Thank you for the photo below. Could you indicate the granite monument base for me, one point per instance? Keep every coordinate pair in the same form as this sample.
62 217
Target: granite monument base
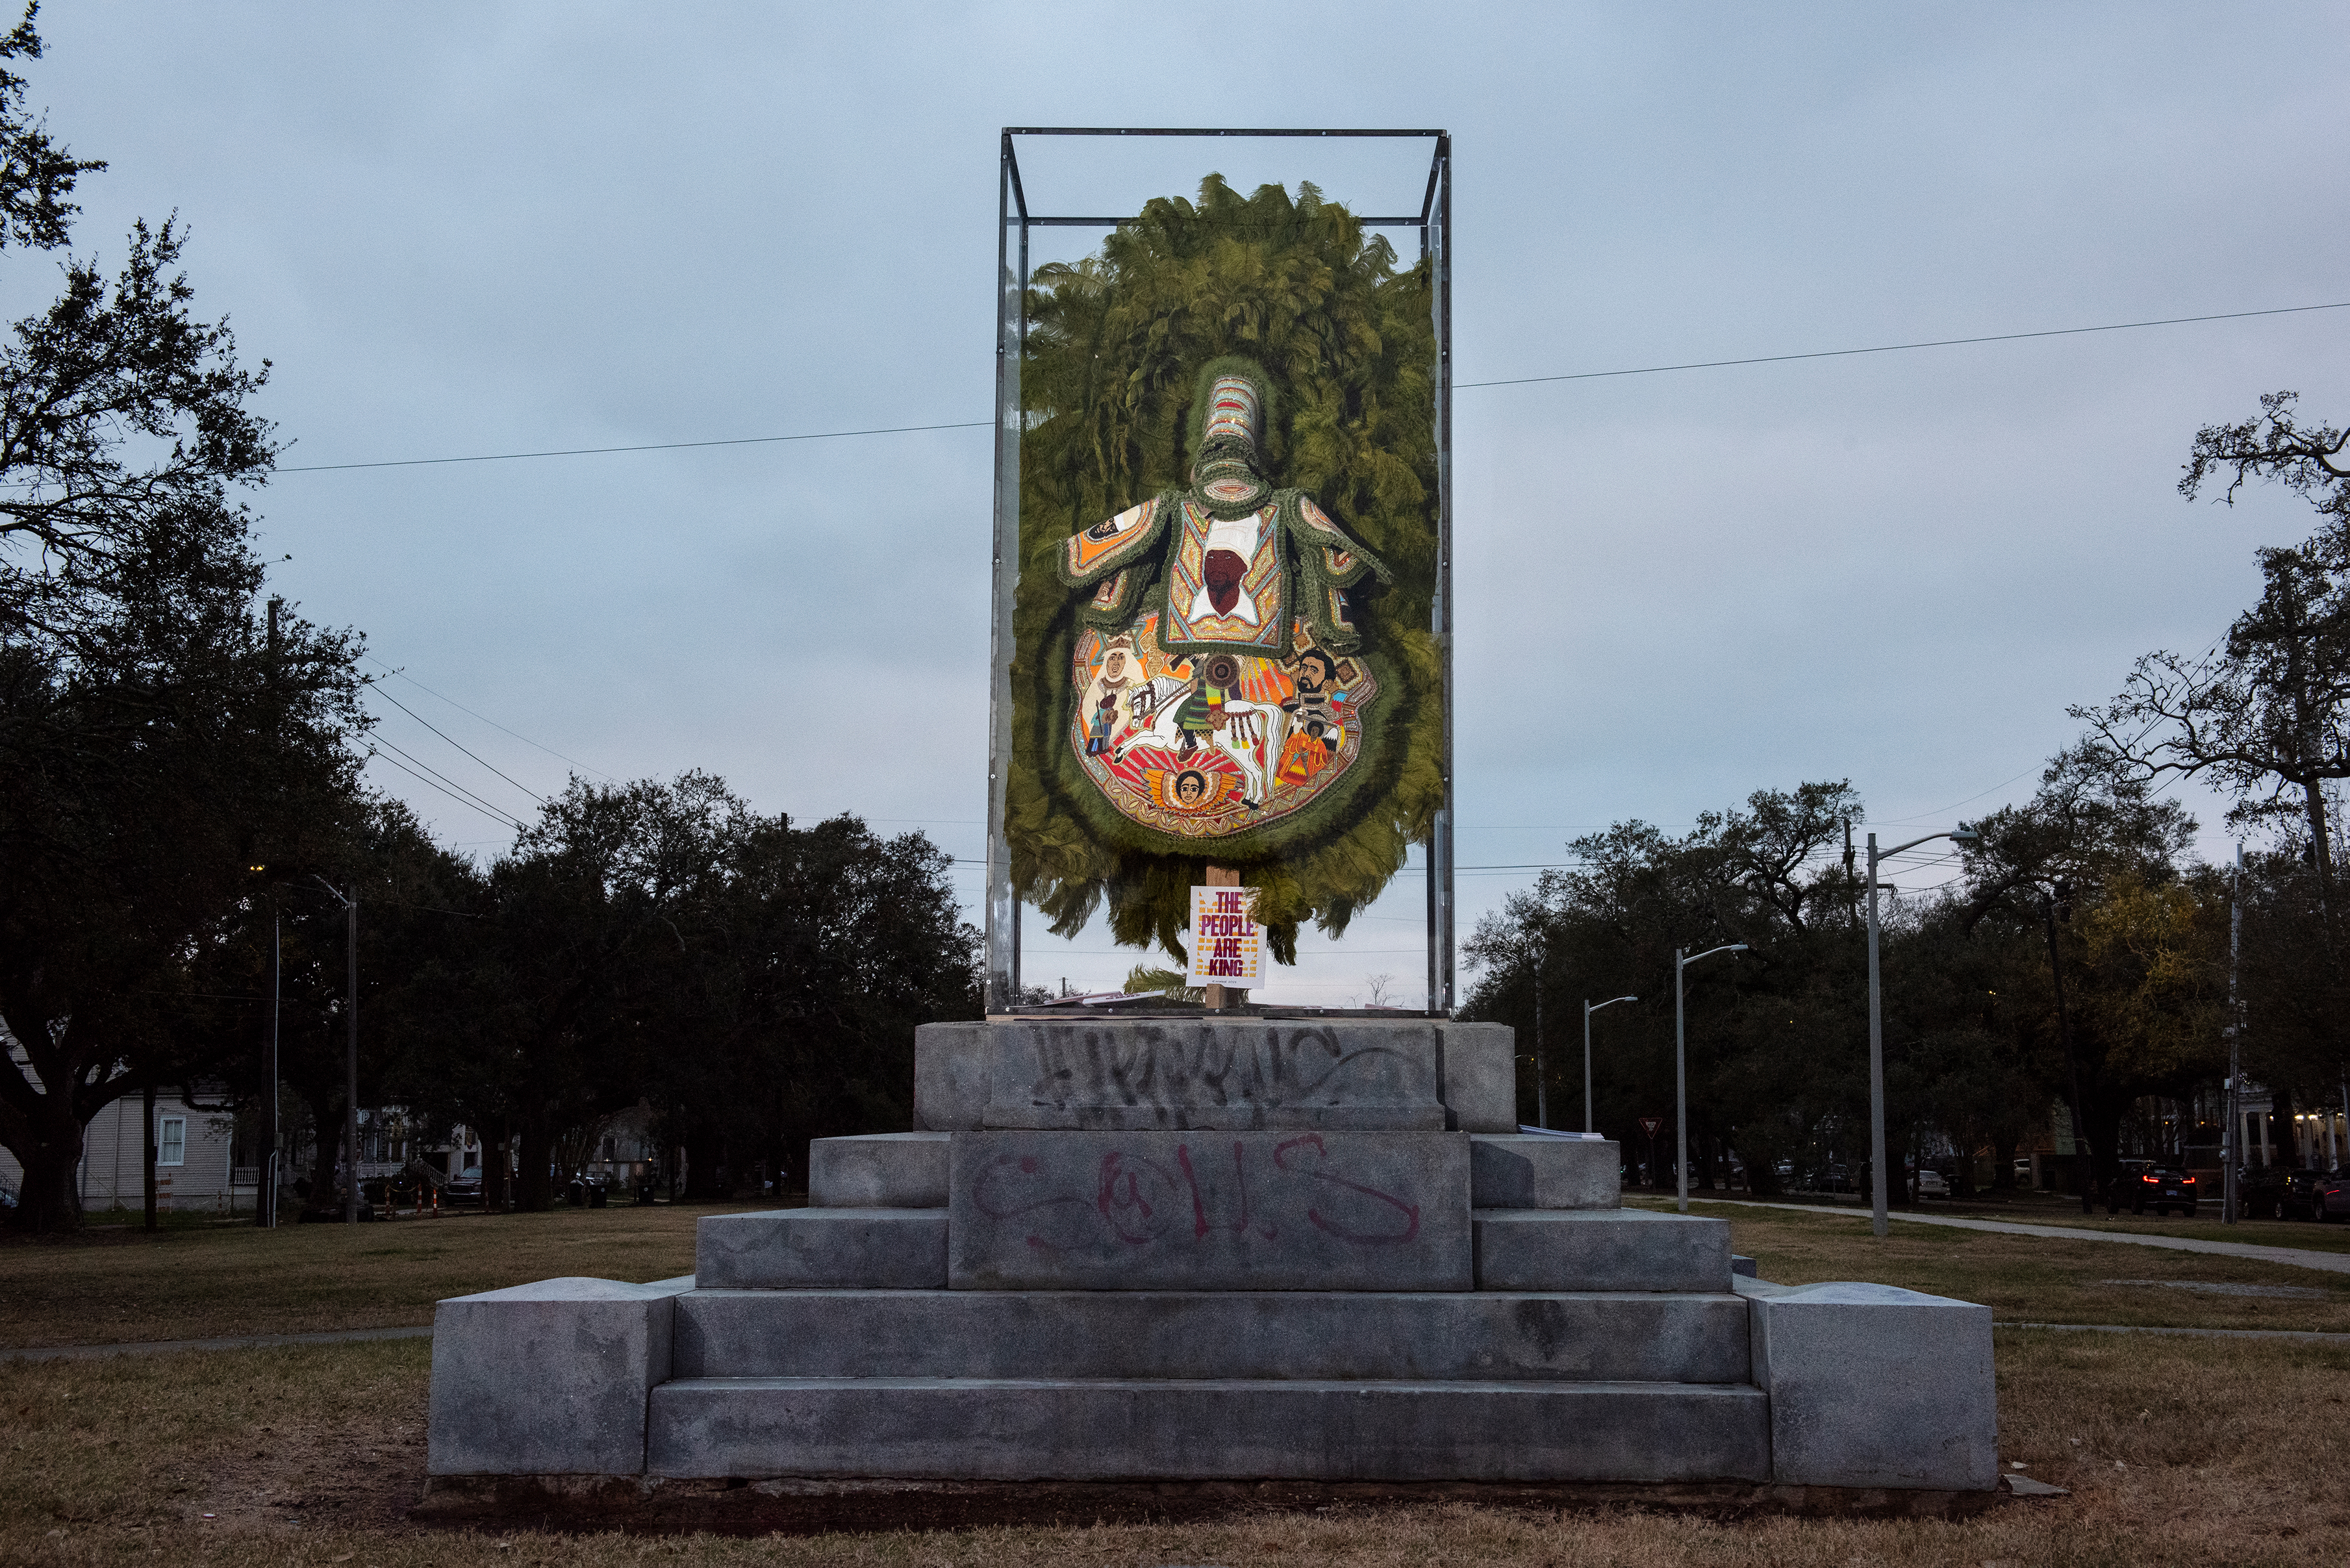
1193 1251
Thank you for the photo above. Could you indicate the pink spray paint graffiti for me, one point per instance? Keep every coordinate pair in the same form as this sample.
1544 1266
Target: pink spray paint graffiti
1282 1156
1139 1202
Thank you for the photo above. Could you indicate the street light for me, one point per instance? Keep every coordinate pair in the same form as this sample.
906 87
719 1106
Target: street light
1961 835
1590 1007
1680 1068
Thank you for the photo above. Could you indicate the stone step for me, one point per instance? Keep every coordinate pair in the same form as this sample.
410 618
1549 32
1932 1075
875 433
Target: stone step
1130 1429
1506 1171
1529 1171
878 1170
1284 1335
1599 1250
800 1249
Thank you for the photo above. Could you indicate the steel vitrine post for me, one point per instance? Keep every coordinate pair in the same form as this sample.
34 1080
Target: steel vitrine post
1004 580
1434 222
1440 847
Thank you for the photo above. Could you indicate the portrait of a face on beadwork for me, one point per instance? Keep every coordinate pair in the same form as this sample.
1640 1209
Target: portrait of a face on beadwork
1228 530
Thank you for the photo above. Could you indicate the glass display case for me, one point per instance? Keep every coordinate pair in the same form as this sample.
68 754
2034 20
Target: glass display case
1220 631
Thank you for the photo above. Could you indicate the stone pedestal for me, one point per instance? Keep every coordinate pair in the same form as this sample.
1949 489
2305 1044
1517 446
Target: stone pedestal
1205 1249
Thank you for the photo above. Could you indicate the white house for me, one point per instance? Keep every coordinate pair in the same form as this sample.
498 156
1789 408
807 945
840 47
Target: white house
191 1162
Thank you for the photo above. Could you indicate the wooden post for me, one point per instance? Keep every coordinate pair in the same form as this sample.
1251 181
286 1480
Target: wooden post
1220 997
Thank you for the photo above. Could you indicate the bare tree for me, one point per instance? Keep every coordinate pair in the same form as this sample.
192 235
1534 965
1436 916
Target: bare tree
2273 446
2267 713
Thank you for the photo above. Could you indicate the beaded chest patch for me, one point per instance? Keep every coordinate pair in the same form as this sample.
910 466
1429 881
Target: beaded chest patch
1207 744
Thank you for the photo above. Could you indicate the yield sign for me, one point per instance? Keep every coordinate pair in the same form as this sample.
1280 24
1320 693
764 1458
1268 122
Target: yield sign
1650 1124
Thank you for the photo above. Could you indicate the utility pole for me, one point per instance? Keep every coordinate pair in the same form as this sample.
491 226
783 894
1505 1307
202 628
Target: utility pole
265 1191
2082 1170
351 1053
265 1209
2229 1154
351 1050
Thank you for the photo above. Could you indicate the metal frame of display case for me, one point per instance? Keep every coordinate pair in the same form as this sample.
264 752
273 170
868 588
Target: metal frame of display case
1013 223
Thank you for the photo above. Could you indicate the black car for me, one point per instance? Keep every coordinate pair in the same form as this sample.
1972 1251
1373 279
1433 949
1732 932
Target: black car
2163 1191
2260 1194
2304 1195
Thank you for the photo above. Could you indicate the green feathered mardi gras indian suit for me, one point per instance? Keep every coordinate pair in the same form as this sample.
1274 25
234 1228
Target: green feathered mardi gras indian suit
1226 673
1219 697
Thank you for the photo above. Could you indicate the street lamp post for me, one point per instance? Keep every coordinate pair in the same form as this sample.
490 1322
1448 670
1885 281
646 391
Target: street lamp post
1680 1065
1542 1081
1961 834
1590 1007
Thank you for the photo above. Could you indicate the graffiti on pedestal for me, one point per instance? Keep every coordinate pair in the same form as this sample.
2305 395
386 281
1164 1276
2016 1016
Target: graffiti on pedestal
1072 1069
1140 1202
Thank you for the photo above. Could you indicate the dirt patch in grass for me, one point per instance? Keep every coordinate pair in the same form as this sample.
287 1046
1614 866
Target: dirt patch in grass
2033 1279
2178 1451
126 1286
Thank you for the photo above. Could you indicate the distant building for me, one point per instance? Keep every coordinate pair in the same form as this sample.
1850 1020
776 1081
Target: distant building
192 1171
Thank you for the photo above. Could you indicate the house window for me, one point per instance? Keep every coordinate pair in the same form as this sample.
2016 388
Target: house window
170 1140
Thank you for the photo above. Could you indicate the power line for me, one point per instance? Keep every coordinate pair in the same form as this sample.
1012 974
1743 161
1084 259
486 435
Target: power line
1898 347
469 795
492 723
1458 386
436 730
461 800
648 446
448 786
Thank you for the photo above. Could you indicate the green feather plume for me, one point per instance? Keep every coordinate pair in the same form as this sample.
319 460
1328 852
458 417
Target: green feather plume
1121 349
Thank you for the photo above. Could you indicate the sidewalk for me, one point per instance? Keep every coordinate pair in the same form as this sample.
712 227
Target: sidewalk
2314 1334
163 1346
2291 1257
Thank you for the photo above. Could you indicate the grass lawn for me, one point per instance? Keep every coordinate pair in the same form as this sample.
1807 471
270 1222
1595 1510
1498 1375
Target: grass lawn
2030 1279
108 1287
2178 1450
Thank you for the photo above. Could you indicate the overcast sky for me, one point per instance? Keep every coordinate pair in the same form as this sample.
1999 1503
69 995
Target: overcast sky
474 229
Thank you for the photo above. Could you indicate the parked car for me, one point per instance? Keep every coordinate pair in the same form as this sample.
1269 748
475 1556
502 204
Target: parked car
2163 1191
462 1192
2260 1194
2334 1198
2303 1196
1931 1184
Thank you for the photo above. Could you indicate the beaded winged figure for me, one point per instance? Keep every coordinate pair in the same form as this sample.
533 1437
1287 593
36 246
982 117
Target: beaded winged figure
1216 684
